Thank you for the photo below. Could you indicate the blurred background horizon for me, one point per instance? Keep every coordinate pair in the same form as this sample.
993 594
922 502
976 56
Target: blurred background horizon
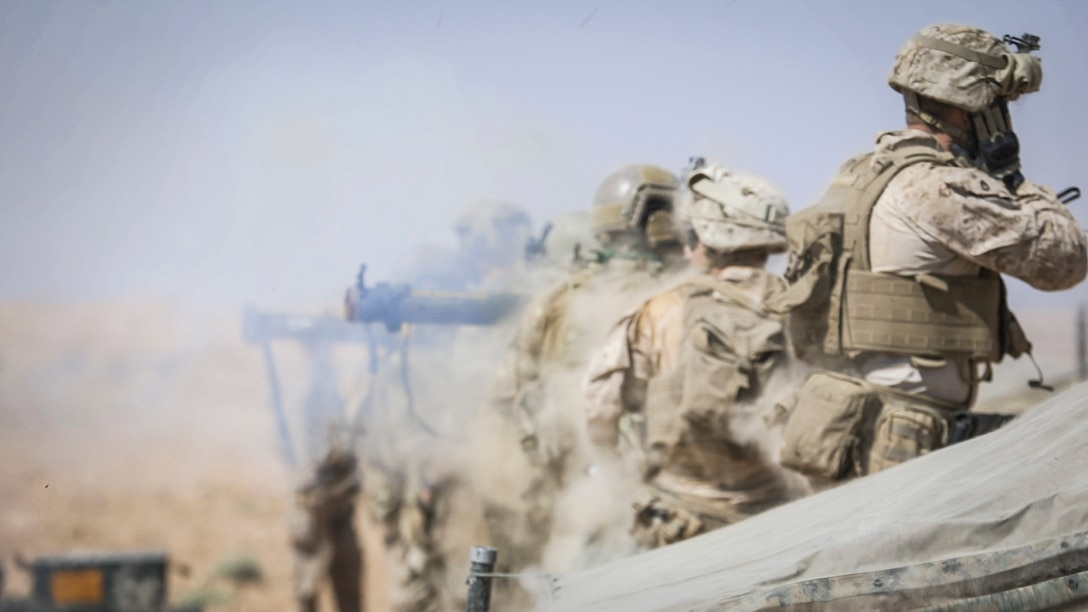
215 154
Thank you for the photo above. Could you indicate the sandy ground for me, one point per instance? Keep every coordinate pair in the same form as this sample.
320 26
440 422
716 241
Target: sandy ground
135 426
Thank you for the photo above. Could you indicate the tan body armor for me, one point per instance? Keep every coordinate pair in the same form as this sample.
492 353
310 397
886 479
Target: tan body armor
842 313
840 309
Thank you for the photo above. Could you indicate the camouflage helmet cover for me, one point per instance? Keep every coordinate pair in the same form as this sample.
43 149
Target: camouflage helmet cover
963 66
631 197
732 212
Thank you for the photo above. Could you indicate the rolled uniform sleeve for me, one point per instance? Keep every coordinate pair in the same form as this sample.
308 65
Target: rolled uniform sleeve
1029 234
616 377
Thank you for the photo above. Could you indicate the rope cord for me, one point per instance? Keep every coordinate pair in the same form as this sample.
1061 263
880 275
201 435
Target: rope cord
510 575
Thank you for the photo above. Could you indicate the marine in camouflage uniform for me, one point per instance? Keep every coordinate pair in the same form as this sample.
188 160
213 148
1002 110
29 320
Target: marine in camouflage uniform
631 219
932 218
413 489
323 535
692 366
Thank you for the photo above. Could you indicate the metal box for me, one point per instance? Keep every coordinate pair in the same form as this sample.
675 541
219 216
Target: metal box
102 582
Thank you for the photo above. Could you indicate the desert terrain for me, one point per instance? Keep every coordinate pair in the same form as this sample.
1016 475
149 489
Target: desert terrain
142 426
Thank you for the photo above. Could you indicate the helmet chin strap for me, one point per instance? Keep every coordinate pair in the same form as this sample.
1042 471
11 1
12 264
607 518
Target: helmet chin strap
990 144
992 121
998 145
961 136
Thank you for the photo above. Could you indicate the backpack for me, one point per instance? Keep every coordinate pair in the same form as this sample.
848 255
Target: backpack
731 347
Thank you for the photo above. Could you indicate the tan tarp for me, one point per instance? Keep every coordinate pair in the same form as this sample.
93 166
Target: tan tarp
993 523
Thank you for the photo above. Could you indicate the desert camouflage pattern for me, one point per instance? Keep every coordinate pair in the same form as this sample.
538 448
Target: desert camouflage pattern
733 212
643 343
557 336
418 567
426 389
323 539
928 66
537 397
954 221
661 520
709 475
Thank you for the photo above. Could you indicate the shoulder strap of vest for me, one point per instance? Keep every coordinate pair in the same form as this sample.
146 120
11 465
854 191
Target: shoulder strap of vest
903 154
707 283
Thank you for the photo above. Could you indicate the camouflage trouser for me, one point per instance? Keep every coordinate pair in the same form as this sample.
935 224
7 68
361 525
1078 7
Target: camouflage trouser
324 544
547 443
407 522
540 496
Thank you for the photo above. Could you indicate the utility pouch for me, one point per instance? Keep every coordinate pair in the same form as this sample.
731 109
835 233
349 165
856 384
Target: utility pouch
907 428
824 430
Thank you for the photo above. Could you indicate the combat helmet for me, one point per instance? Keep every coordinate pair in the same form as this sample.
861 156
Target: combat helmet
965 67
730 212
970 69
636 201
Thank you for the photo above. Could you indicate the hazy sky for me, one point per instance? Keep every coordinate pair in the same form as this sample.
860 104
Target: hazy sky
230 152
